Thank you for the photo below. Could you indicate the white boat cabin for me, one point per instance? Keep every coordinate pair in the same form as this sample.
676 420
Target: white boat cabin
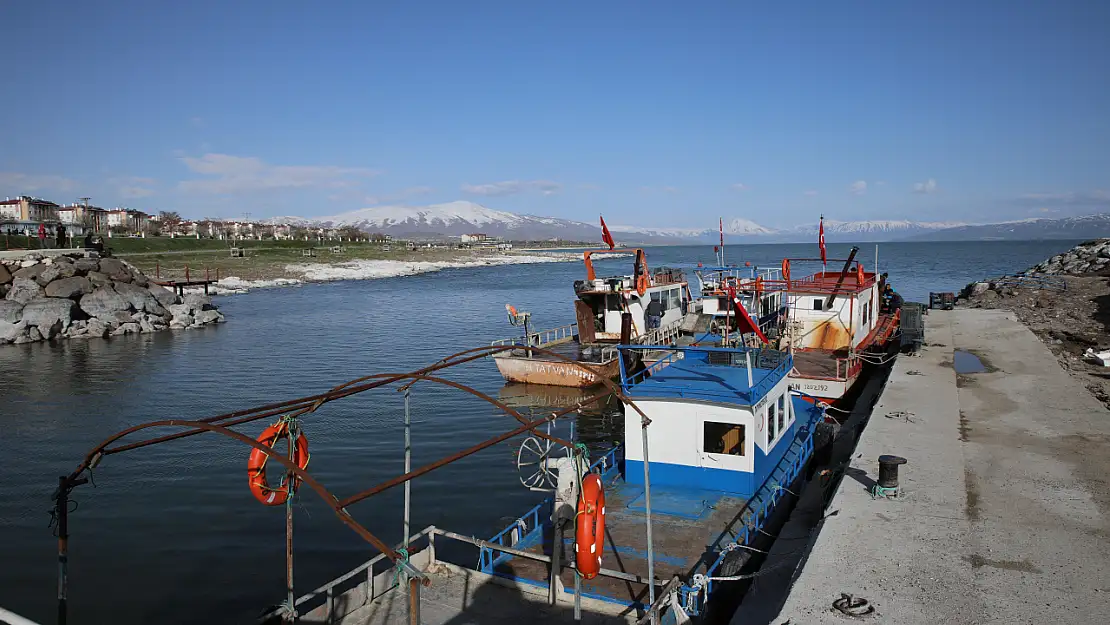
653 301
830 310
721 419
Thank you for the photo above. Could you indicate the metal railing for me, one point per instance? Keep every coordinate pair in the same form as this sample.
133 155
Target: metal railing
663 335
541 337
750 523
777 365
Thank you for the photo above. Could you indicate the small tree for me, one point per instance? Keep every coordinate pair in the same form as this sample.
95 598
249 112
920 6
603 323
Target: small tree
350 232
170 221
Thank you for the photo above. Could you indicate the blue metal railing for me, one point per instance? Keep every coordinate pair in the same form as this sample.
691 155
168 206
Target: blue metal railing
759 508
530 525
776 364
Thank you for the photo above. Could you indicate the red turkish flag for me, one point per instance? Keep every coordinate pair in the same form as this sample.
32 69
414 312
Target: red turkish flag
821 239
605 236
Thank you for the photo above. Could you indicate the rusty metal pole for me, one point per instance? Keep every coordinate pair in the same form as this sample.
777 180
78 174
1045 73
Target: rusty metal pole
61 512
414 601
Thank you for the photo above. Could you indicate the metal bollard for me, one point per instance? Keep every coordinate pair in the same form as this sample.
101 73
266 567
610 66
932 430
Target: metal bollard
888 470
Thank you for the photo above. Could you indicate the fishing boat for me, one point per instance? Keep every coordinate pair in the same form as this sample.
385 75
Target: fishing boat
836 324
640 308
734 301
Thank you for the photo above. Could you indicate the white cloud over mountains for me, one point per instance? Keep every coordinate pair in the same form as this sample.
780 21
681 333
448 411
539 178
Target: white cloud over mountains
512 187
238 174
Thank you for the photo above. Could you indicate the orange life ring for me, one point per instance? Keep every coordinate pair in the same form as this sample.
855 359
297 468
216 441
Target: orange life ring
642 284
256 465
786 270
589 537
511 309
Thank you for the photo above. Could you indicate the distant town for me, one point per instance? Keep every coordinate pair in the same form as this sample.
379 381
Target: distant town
28 216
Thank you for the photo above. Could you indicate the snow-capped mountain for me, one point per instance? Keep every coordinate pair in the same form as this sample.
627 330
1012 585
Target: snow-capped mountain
456 218
1085 227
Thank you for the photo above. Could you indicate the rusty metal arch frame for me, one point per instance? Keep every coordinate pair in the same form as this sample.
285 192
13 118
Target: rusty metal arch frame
304 405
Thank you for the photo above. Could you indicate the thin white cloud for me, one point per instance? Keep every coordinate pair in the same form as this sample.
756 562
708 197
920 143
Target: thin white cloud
403 194
739 186
929 186
133 187
858 187
239 174
512 187
1096 198
810 193
17 183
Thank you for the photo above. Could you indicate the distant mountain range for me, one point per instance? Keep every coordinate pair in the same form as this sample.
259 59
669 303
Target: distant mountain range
456 218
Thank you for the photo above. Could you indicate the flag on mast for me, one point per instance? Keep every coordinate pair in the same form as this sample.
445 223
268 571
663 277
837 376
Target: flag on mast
606 236
821 239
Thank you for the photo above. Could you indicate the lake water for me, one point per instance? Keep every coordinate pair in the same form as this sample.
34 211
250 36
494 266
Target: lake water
170 534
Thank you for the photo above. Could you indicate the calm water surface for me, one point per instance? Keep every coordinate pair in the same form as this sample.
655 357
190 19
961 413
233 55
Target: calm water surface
170 534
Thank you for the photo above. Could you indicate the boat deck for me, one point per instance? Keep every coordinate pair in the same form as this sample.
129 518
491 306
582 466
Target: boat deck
816 364
569 348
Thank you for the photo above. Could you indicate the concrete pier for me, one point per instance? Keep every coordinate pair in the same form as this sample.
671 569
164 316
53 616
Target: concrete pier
1003 514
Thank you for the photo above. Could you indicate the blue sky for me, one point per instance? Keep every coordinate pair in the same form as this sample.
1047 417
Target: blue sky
653 113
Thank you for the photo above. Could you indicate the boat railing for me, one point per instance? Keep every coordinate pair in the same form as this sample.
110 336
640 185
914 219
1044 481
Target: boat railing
663 335
376 577
752 520
541 337
774 363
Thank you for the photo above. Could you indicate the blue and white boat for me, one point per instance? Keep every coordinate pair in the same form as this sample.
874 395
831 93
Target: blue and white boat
720 440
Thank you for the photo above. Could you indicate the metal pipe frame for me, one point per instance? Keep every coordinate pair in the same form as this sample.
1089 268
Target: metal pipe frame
220 424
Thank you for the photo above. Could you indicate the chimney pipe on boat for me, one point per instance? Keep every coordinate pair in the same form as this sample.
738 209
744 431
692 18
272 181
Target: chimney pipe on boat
840 278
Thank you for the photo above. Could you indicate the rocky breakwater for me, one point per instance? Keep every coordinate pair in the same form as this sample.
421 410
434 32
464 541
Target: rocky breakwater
1091 257
70 296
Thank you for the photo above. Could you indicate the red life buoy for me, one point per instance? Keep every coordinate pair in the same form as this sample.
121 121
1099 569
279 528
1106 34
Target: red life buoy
256 465
642 284
786 270
859 273
589 537
758 286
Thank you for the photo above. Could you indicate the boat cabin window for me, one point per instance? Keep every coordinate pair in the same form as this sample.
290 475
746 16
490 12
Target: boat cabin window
782 412
771 429
723 438
674 299
613 302
818 303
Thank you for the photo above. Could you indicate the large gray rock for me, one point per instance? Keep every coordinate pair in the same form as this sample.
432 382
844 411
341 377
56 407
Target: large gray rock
9 311
49 314
73 287
33 335
50 273
12 331
138 279
208 316
30 273
5 275
141 299
96 327
98 279
24 290
179 310
103 302
127 328
183 321
145 325
115 269
197 302
118 317
85 265
164 296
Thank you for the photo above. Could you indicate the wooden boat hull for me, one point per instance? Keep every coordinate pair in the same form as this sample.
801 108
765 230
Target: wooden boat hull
555 373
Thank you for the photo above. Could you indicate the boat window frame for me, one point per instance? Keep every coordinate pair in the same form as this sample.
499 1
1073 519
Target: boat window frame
729 427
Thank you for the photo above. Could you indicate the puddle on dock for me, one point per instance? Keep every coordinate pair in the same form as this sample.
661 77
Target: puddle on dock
966 362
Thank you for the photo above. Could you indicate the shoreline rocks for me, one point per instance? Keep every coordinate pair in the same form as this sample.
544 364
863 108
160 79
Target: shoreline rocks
70 296
1090 257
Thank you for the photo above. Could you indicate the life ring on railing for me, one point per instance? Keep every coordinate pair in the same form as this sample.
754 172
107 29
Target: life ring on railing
786 270
642 283
256 465
758 287
589 536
